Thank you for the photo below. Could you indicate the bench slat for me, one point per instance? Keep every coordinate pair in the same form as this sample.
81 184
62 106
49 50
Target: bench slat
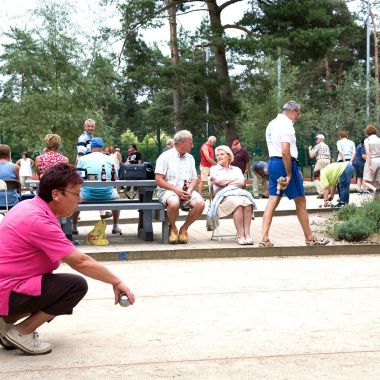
120 206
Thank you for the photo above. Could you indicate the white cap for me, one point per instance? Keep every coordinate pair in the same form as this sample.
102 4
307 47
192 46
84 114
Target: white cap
320 136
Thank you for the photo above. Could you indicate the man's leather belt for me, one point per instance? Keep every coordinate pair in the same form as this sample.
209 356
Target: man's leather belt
293 159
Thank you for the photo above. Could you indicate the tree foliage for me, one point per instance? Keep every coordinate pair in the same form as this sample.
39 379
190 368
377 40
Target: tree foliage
53 77
50 87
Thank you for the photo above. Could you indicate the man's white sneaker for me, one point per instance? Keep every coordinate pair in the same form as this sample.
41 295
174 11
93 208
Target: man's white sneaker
4 327
30 343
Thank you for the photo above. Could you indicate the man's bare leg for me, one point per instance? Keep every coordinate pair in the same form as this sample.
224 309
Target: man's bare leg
197 207
303 216
172 205
200 187
268 216
116 216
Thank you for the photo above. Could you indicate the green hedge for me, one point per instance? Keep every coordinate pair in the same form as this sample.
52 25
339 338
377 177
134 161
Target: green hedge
357 223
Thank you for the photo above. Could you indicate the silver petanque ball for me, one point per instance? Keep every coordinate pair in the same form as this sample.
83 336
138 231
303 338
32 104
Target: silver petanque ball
123 300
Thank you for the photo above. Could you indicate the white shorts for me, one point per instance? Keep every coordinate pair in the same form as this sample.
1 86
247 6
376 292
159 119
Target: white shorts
375 176
164 195
205 172
320 164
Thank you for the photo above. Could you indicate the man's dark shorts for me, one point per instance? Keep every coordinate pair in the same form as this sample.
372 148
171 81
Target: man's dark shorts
276 170
60 293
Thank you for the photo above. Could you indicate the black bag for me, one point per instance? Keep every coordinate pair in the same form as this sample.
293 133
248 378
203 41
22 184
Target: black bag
149 170
136 171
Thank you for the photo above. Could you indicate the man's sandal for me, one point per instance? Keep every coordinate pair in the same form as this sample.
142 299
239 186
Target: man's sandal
317 241
265 244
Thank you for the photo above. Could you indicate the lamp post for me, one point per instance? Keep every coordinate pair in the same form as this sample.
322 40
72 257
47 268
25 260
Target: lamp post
368 58
206 52
279 78
206 96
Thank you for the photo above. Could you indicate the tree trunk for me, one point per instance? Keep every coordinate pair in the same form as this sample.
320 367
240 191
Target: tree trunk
376 62
177 92
221 67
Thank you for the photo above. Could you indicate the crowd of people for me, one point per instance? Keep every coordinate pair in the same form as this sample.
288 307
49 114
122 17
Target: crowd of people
360 161
32 242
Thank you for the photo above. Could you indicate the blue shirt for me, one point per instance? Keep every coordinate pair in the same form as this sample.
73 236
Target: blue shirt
7 172
358 159
93 162
259 167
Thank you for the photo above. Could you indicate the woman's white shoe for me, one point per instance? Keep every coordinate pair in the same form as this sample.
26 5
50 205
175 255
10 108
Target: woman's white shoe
242 241
249 240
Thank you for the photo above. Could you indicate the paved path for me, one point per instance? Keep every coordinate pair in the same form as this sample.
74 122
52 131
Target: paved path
278 318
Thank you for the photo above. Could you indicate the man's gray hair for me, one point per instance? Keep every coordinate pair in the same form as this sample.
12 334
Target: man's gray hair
211 138
89 121
291 105
169 141
182 136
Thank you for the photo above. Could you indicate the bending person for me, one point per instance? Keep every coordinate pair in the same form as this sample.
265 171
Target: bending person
32 244
337 175
230 198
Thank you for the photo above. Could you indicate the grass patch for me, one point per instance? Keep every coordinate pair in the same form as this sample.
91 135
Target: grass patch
354 223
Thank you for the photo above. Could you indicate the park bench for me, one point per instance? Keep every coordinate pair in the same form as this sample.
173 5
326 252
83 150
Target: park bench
149 209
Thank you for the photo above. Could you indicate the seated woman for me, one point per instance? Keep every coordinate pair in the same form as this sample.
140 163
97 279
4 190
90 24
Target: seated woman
230 198
50 156
8 170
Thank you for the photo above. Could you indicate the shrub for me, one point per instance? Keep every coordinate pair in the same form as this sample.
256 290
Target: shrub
354 229
347 212
371 211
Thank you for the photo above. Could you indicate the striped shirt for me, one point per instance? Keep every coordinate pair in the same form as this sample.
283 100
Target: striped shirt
321 151
175 168
84 143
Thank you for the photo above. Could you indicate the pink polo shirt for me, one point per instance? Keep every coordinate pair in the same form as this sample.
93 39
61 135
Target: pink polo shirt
32 243
219 172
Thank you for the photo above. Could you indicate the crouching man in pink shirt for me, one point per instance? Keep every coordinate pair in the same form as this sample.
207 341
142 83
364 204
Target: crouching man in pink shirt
32 245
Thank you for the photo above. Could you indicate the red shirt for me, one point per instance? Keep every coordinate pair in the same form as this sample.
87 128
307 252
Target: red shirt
241 159
204 162
49 159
